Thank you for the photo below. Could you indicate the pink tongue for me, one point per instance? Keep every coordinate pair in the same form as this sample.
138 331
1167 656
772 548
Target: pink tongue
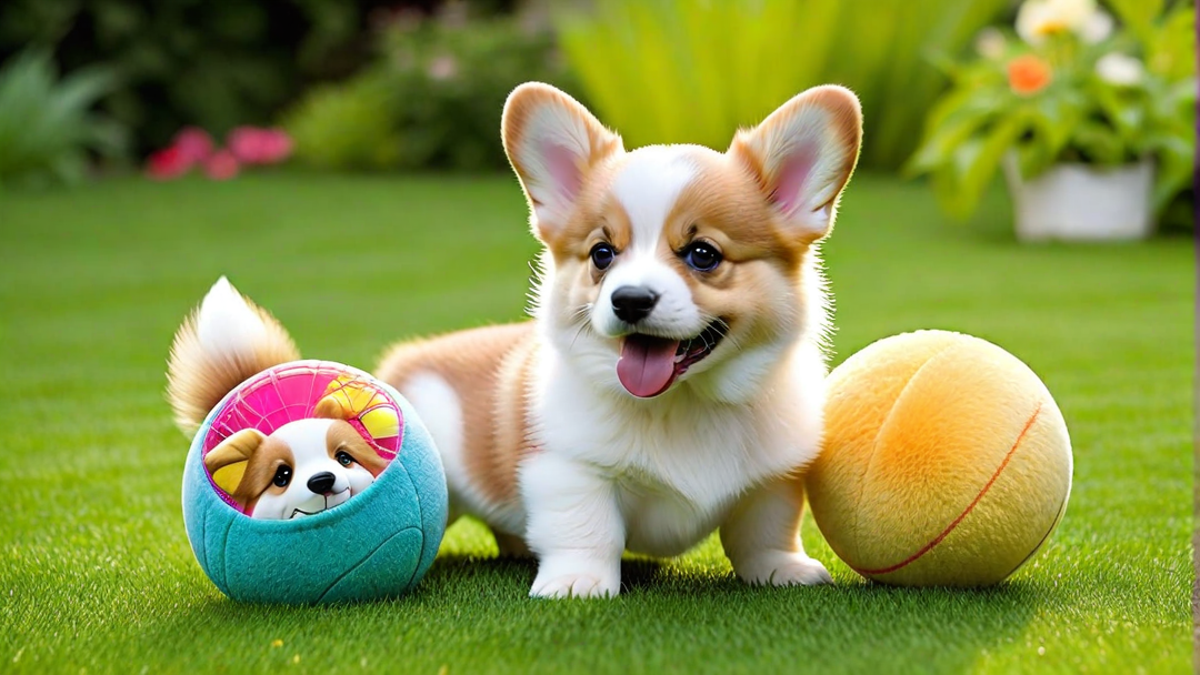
647 365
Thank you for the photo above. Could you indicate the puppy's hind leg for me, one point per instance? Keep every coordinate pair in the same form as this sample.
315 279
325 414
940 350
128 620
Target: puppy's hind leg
762 537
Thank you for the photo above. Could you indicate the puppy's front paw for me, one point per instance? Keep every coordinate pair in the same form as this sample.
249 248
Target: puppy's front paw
573 586
576 578
783 568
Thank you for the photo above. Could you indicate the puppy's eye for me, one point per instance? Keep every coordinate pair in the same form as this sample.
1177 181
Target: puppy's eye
283 476
602 256
344 458
701 256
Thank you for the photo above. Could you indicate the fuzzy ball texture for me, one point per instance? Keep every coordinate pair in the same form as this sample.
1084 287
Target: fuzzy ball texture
378 544
946 462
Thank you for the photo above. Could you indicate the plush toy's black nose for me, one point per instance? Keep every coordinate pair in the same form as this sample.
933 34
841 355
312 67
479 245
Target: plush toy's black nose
631 304
321 483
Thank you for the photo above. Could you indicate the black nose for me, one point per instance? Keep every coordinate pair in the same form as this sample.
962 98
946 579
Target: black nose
321 483
631 304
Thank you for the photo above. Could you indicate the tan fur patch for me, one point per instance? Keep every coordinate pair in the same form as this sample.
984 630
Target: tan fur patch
489 370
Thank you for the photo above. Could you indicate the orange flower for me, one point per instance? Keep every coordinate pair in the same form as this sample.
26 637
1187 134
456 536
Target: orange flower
1028 74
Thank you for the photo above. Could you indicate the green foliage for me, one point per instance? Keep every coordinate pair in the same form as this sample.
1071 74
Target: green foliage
47 129
346 126
212 63
663 71
1077 116
433 99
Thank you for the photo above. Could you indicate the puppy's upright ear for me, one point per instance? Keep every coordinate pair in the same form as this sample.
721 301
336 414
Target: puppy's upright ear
227 462
553 142
803 154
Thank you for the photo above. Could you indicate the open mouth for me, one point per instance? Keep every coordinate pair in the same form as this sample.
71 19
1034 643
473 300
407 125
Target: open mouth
300 513
650 364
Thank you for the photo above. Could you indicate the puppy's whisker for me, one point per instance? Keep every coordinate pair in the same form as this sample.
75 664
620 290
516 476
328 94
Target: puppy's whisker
581 316
578 332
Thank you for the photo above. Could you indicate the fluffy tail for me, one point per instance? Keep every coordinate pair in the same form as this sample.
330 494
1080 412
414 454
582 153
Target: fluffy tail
221 344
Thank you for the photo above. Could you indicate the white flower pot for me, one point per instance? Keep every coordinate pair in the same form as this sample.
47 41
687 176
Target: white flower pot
1078 202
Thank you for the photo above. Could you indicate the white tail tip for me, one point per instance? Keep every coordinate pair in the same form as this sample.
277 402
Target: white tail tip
227 324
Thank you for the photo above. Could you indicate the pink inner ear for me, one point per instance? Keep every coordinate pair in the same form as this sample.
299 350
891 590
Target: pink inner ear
564 171
790 179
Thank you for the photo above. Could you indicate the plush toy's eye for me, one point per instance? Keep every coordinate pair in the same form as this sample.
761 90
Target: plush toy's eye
283 476
344 458
701 256
602 256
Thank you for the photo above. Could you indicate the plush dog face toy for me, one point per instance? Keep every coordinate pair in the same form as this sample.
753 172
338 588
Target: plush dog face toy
302 468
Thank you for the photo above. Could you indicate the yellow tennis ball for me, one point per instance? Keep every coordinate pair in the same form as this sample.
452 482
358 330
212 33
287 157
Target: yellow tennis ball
946 462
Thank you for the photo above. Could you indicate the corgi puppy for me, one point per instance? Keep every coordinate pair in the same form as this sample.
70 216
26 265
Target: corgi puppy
672 380
302 468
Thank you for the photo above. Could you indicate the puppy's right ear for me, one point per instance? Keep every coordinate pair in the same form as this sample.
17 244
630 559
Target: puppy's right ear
802 156
552 142
227 462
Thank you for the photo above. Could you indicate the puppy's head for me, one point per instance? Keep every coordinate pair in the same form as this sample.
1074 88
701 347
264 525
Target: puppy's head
304 467
679 265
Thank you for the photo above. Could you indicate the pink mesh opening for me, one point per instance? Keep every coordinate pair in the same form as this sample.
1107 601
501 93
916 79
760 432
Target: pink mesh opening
289 392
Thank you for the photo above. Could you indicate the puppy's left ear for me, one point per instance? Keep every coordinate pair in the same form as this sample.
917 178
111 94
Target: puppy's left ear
553 142
803 154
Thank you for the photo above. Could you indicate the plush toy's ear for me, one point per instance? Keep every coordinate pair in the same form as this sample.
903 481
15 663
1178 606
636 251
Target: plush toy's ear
803 154
552 142
372 462
227 462
332 408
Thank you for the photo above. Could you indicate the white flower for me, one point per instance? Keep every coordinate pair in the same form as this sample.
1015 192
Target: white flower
1032 20
1119 69
990 43
1097 27
1039 18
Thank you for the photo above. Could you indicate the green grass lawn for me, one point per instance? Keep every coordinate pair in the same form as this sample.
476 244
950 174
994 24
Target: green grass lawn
96 574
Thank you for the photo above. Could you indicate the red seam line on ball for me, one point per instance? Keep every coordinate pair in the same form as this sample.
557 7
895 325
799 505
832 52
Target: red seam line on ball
928 547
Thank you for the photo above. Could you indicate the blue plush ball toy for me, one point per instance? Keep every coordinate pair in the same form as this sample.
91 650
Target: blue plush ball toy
377 544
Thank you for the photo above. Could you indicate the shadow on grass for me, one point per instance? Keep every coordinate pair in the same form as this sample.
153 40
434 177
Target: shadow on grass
473 612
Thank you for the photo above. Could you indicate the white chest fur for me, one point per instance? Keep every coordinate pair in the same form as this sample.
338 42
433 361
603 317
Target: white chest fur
677 463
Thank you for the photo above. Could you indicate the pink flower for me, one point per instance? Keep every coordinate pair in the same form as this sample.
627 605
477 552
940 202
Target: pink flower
195 144
168 163
221 165
259 146
443 67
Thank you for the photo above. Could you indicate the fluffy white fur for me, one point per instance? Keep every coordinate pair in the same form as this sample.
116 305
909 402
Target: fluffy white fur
226 325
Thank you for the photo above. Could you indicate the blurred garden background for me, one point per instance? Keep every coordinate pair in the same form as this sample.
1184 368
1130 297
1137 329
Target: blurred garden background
97 88
340 160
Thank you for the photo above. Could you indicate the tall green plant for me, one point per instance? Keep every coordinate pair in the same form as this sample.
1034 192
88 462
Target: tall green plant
47 129
692 71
